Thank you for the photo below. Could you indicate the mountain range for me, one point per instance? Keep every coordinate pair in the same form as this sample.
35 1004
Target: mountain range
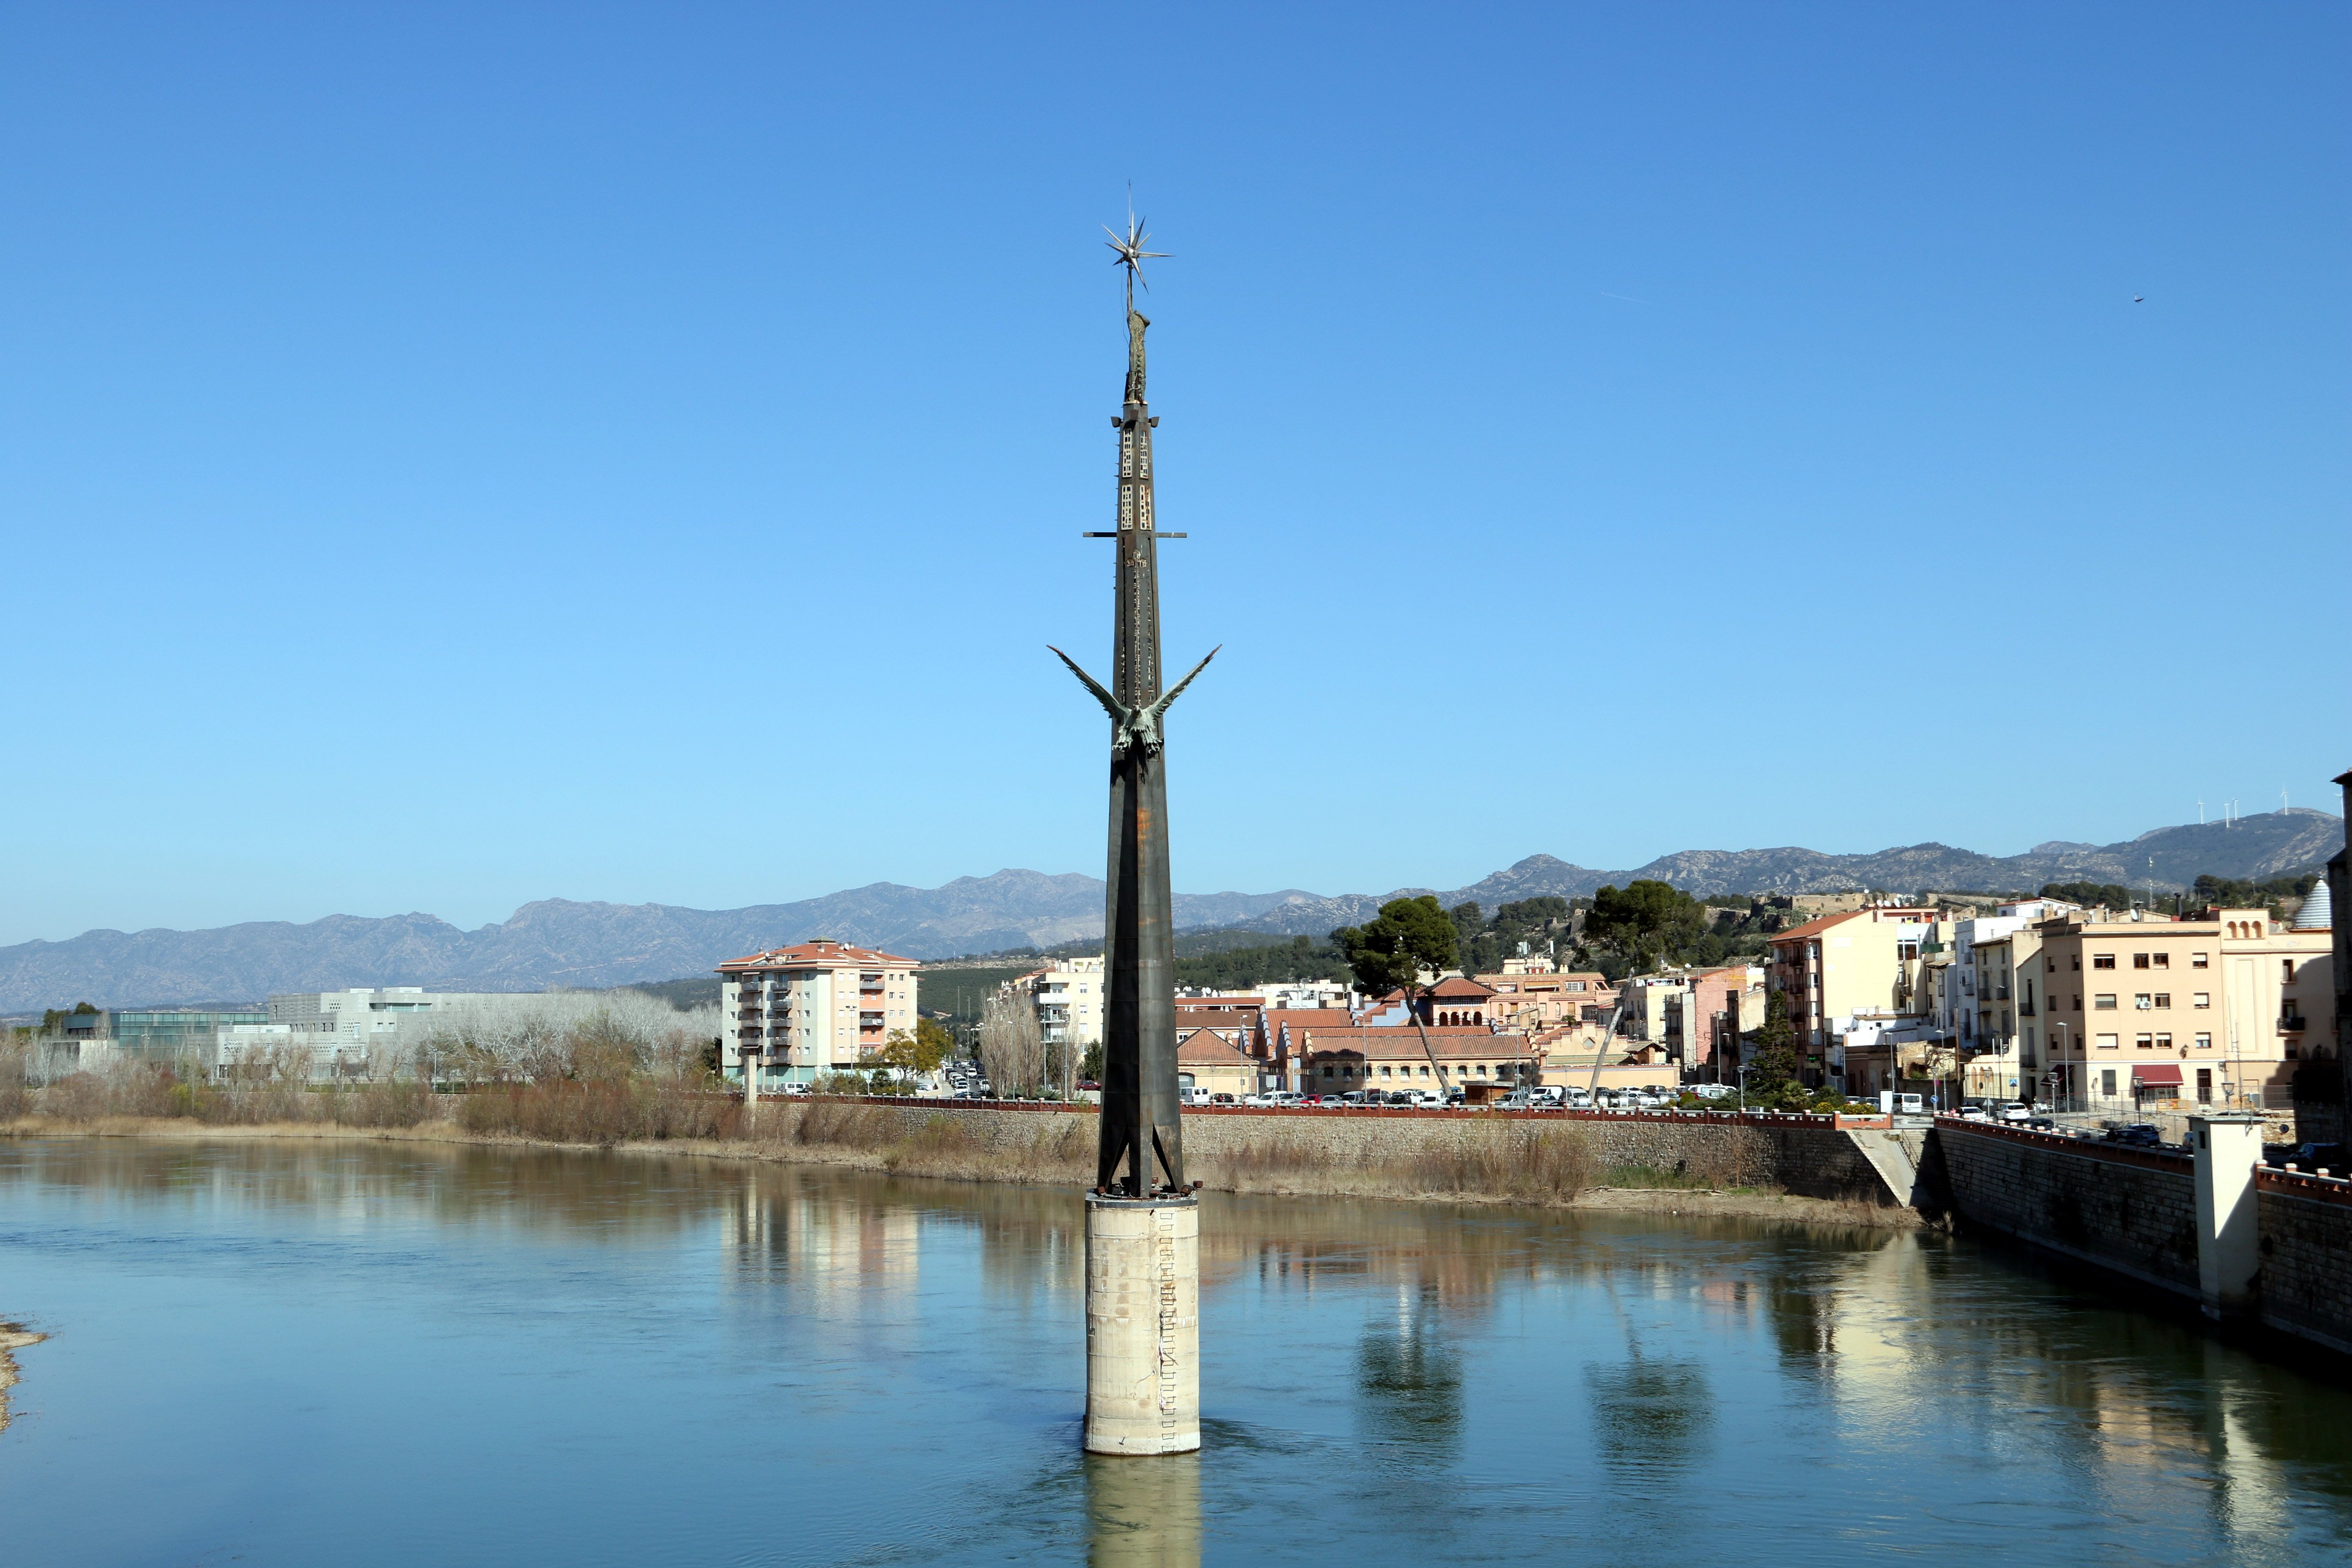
560 943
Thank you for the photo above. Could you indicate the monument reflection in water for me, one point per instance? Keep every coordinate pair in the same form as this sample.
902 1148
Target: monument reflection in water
389 1353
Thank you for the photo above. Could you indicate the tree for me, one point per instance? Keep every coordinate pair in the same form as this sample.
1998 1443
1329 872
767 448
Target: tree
1643 918
1388 954
1776 1071
918 1054
1012 1051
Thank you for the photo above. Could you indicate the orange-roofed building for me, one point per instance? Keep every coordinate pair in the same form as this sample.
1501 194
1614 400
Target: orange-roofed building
1207 1063
1337 1061
816 1007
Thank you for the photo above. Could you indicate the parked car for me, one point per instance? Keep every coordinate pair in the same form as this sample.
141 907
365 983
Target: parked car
2136 1134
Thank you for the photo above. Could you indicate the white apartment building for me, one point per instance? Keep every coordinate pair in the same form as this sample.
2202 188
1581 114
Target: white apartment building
1304 992
821 1006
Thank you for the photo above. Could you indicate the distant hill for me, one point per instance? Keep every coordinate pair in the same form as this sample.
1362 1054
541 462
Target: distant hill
558 942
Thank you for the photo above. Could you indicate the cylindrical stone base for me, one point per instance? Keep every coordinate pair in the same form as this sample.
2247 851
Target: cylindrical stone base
1143 1325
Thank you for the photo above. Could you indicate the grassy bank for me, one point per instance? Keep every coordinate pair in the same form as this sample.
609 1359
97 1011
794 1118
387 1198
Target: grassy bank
1503 1162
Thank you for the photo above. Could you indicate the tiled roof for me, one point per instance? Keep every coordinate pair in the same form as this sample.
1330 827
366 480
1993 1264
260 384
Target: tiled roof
1814 927
1208 1045
1405 1044
1454 986
821 952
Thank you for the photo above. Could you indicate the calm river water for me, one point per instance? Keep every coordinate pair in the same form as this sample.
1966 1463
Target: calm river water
385 1353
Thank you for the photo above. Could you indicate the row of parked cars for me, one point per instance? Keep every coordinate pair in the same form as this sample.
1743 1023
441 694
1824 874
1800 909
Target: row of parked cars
1548 1097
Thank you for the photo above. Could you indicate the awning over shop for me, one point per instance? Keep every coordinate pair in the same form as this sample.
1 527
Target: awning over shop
2157 1073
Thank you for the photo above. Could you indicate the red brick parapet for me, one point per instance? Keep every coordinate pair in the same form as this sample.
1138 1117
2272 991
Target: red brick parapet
2335 1190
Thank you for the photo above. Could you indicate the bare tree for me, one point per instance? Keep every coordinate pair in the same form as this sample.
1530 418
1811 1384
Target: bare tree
1010 1049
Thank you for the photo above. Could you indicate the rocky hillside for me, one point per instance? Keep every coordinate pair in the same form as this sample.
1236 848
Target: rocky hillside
557 942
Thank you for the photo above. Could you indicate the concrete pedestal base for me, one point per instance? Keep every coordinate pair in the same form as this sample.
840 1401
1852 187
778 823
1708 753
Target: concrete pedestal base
1143 1325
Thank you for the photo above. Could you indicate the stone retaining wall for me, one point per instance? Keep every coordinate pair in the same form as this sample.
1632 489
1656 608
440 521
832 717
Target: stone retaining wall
1808 1155
2133 1211
2306 1252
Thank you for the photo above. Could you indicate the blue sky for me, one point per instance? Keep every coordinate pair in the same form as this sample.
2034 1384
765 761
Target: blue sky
452 457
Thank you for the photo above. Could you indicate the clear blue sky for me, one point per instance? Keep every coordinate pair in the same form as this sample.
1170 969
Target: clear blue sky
457 455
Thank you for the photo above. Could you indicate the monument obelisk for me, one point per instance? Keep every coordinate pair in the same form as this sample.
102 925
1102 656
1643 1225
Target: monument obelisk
1143 1253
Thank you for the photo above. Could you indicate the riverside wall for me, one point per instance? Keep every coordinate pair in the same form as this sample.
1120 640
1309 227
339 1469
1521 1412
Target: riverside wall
2307 1256
2130 1211
2133 1213
1808 1155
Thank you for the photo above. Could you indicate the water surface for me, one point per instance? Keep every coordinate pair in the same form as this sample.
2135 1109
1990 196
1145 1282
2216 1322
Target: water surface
304 1354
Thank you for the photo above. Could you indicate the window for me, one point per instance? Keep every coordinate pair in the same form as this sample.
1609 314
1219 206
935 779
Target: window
2196 961
2139 960
2144 1042
2200 998
2143 1001
2163 1042
2163 1001
2075 959
2204 1042
2163 960
2204 1086
2107 1042
2287 971
2108 1083
2049 964
2105 1003
2078 1001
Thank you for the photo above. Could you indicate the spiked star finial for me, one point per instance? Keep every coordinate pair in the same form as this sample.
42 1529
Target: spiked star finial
1127 249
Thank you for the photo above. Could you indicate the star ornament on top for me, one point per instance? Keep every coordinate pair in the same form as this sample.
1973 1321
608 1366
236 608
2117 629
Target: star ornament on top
1129 252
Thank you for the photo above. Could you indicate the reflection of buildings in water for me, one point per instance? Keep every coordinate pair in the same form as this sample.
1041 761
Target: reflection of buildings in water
1143 1512
1409 1376
1651 1419
835 1248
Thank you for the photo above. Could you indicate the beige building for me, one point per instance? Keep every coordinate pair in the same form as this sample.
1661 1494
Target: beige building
1335 1060
1534 999
1068 999
821 1006
2214 1010
1860 962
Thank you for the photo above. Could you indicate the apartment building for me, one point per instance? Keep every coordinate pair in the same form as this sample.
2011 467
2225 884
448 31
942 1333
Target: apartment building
1534 999
1860 962
2218 1009
822 1006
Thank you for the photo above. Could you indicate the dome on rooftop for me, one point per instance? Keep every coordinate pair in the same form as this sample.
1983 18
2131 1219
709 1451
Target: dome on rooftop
2316 911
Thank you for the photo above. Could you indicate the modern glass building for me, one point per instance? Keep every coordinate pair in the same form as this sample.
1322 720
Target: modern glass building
167 1033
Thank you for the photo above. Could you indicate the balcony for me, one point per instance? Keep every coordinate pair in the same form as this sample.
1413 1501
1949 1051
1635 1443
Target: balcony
2025 1009
2292 1024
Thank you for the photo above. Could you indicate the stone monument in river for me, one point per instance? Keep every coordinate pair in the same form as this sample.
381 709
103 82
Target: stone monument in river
1143 1255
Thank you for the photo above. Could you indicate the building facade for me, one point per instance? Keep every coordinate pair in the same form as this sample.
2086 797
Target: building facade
2218 1010
795 1013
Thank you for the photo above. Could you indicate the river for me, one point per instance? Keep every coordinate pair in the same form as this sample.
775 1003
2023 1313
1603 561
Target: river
307 1353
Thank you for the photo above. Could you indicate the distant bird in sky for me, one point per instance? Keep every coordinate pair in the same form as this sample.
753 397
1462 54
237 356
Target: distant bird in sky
2140 299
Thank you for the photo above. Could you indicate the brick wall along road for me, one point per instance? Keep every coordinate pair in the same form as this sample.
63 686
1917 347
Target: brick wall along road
1806 1155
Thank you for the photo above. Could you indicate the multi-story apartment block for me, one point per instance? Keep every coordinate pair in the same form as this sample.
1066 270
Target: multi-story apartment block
1861 961
821 1006
1067 996
2218 1009
1534 999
